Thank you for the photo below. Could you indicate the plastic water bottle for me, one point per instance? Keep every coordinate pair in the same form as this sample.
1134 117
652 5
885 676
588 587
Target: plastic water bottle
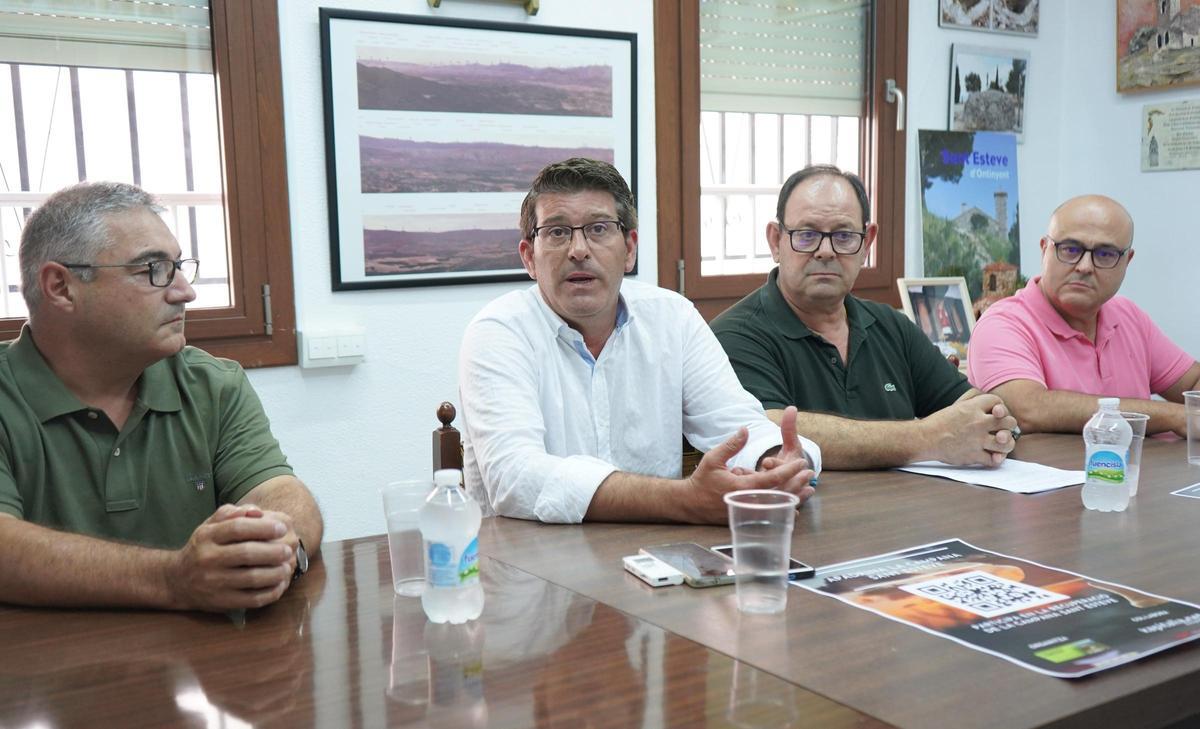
1106 439
449 523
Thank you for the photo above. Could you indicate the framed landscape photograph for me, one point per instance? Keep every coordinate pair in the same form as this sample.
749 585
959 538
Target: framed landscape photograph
987 89
435 128
1019 17
1158 44
941 308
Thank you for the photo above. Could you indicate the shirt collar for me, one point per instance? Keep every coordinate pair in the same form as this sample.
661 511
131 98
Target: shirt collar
785 320
563 330
49 398
1045 312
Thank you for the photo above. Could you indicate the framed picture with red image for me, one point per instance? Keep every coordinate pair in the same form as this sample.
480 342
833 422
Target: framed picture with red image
941 308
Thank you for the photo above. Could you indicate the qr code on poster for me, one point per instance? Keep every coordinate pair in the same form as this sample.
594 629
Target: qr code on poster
983 594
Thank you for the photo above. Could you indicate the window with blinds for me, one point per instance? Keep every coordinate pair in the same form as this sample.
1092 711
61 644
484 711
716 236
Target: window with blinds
782 85
112 90
158 35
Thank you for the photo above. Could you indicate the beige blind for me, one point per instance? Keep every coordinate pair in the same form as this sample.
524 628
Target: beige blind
798 57
156 35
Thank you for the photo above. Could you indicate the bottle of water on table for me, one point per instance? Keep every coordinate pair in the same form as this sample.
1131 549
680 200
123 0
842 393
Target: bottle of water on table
1106 439
449 523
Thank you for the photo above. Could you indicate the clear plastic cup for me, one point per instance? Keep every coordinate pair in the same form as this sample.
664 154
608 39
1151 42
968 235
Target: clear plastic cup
1133 466
1191 404
761 522
402 502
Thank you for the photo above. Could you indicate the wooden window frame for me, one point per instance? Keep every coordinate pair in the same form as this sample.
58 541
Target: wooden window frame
677 135
246 64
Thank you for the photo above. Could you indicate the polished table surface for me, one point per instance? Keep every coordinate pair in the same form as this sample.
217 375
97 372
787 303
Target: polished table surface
340 650
568 638
894 672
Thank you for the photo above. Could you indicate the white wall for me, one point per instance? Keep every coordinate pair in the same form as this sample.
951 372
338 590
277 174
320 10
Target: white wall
349 430
1081 136
1100 133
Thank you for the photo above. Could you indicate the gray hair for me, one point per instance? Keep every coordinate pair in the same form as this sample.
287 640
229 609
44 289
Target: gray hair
70 227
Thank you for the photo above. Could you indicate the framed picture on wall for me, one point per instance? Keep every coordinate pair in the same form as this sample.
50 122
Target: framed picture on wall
987 89
435 128
1158 44
993 16
941 308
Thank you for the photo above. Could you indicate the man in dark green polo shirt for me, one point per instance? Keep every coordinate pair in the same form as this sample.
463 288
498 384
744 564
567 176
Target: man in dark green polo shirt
134 471
872 390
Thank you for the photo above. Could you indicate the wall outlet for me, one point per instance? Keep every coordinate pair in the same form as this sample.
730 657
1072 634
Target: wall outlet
351 345
332 347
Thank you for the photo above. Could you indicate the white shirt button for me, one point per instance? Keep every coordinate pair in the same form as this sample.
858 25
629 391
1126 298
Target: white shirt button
93 414
117 452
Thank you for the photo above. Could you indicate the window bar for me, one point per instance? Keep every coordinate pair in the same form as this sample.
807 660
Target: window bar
19 123
721 173
780 173
77 119
187 162
833 149
134 154
749 225
807 139
4 272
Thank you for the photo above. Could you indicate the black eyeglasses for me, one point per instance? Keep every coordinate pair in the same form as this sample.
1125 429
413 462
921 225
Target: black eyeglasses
559 236
161 272
844 242
1103 255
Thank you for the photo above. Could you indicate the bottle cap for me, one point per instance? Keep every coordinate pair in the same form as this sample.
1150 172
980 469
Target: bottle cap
447 477
1110 403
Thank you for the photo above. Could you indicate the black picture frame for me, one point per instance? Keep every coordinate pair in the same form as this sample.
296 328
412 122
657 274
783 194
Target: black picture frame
435 127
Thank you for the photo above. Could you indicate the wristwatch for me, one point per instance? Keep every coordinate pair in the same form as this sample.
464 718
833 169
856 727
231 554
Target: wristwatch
301 561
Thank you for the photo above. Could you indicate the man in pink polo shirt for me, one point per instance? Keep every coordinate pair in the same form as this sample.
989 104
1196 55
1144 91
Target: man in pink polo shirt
1066 338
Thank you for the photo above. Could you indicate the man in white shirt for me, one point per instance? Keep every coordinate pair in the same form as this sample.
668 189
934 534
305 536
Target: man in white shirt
575 391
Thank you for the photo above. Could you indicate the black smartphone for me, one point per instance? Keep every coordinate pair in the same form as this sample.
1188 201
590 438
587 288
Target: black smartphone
797 570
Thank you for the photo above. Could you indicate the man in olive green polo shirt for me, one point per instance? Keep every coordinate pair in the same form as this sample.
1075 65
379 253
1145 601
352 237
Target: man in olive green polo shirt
134 471
872 390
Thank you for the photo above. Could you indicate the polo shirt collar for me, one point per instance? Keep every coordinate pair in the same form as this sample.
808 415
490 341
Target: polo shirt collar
785 320
159 390
1045 312
47 396
50 398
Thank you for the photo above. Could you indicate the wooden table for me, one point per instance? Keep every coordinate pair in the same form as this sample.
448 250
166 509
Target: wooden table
340 650
893 672
569 639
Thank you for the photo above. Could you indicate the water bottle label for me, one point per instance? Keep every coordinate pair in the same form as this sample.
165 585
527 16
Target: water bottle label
443 571
1106 466
468 566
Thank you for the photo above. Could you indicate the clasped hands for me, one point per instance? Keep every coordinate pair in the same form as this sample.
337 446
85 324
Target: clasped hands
240 557
973 431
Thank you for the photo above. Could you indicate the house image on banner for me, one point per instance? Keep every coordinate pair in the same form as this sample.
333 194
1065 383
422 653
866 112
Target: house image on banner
973 220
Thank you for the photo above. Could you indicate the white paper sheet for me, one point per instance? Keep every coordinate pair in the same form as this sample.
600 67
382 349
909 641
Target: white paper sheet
1019 477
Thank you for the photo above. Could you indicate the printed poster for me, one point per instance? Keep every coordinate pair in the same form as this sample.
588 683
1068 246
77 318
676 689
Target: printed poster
1055 622
970 211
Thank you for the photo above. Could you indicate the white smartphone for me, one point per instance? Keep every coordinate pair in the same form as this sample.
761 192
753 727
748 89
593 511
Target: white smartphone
797 570
701 567
652 571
